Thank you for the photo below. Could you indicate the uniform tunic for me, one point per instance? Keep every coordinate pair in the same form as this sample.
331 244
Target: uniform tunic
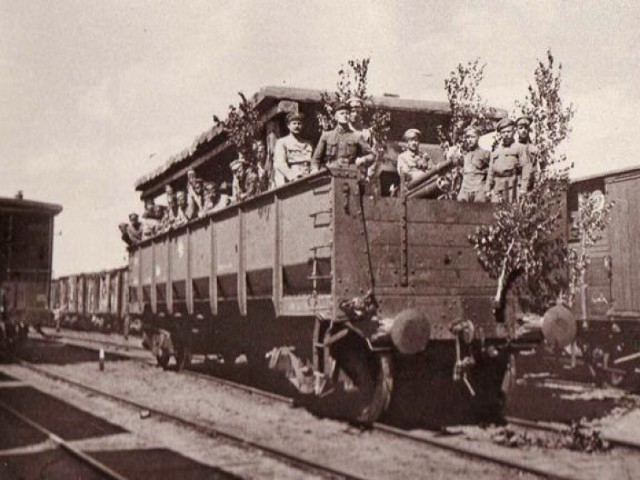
474 172
411 164
340 147
504 168
291 159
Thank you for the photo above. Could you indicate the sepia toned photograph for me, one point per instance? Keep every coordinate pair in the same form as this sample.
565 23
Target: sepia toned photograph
262 239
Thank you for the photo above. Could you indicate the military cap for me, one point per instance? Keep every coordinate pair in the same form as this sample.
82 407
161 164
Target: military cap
504 123
355 102
525 119
295 116
341 106
411 133
236 164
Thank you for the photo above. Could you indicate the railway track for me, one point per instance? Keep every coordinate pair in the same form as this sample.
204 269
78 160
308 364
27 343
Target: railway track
66 446
432 439
301 463
523 423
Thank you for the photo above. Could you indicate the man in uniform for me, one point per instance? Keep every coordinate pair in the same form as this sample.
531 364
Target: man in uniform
412 163
509 165
475 162
523 136
238 186
134 229
356 119
342 147
182 215
292 154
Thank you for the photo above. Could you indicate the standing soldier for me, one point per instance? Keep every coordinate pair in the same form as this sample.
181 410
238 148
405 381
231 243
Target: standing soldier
292 154
412 163
509 163
523 129
356 119
342 147
475 163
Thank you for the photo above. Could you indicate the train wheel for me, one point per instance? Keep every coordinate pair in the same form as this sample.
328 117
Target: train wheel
367 380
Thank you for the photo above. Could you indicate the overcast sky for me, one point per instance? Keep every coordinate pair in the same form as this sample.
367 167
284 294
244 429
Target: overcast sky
94 94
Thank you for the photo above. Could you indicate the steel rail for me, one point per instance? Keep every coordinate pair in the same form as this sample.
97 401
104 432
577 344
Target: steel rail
281 455
65 445
431 440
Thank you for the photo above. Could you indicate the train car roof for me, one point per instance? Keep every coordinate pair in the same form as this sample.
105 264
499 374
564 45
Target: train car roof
606 175
268 97
28 206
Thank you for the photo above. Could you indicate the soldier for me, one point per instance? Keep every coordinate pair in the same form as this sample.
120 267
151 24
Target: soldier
210 198
181 216
225 196
238 186
523 136
195 198
342 147
134 229
356 119
475 163
292 154
171 213
507 161
412 163
124 234
263 167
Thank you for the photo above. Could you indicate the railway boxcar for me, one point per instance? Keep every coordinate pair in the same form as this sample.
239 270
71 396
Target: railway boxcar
92 300
607 305
26 247
339 285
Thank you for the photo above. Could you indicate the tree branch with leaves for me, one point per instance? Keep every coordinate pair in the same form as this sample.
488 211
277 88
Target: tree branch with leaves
242 126
525 248
468 108
353 82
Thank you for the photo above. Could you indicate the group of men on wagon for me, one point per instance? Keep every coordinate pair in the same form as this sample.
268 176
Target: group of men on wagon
501 173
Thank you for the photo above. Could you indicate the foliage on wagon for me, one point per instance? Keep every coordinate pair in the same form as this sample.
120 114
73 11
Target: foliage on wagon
524 242
468 108
242 126
353 82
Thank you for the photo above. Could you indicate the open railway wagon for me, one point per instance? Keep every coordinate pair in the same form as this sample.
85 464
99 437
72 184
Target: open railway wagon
359 298
608 305
92 301
26 246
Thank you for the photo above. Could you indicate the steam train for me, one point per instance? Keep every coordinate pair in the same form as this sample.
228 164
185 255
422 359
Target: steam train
356 296
26 245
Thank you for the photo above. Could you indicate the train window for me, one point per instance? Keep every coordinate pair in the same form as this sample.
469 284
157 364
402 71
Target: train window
133 294
161 292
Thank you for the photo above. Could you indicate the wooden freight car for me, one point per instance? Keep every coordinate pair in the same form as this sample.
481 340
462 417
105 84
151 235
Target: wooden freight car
92 301
608 304
339 285
26 246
